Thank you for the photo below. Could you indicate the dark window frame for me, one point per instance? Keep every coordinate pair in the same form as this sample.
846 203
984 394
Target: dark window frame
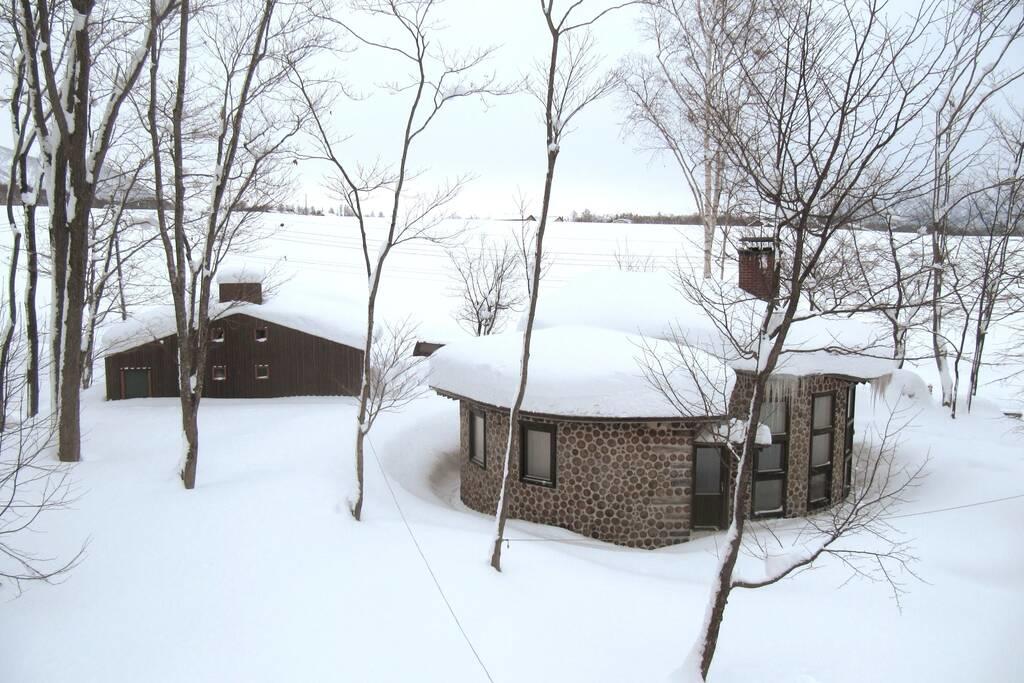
218 334
213 373
262 365
473 414
848 434
725 488
552 431
781 440
826 469
256 334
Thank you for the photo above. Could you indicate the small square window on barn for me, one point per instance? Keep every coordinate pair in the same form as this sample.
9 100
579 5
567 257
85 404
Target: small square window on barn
478 438
219 373
260 333
262 371
216 334
537 446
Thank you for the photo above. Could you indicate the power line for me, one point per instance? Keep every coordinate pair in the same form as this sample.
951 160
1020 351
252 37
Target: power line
957 507
426 563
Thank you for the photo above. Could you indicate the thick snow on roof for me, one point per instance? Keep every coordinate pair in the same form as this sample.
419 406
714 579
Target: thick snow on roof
575 371
338 319
652 304
237 272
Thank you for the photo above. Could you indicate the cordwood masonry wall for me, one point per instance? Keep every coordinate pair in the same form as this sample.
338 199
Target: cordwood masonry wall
624 482
631 482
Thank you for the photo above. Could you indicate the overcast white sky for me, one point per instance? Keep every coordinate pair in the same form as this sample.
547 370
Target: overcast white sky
503 144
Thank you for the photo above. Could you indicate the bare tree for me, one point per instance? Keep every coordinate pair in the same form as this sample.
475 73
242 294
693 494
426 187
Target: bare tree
673 95
565 85
231 135
31 487
997 254
116 237
629 261
488 282
980 40
395 373
61 43
23 188
825 139
432 78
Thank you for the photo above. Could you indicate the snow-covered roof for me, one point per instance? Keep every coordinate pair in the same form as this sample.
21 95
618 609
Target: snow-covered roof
651 304
337 319
576 371
239 272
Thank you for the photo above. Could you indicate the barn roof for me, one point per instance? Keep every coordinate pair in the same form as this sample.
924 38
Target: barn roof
334 318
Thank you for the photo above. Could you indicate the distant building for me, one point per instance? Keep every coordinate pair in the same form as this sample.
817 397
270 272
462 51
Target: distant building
258 349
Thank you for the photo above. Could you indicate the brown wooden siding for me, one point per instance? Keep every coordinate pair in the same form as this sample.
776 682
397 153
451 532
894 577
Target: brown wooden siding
160 357
300 364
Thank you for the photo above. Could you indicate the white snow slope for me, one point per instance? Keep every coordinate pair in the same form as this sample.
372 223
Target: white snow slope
260 574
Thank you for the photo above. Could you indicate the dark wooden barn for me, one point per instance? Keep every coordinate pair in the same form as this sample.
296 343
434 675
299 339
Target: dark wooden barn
250 357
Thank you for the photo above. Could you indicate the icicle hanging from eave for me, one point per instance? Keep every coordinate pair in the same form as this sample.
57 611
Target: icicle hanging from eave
879 386
781 388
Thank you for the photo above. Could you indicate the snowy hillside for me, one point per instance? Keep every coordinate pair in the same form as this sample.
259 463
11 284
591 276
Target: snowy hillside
261 574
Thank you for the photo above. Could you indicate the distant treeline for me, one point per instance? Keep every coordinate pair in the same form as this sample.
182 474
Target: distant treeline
681 219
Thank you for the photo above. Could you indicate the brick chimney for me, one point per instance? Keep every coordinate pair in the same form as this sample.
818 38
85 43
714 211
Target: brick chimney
757 266
241 291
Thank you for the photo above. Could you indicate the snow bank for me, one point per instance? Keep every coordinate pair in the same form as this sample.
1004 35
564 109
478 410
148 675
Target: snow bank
653 304
337 319
576 371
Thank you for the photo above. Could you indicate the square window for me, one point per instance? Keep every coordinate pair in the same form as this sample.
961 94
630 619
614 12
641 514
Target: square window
260 333
220 373
770 458
768 496
817 487
822 411
821 449
477 438
262 371
216 334
538 457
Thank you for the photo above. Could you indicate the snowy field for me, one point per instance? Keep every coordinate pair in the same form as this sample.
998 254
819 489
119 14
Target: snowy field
260 574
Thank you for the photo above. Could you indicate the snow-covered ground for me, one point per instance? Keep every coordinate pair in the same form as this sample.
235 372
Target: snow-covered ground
260 574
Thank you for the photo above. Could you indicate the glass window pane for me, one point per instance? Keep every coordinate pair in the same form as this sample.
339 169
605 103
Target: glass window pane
773 415
818 486
768 495
709 470
822 411
538 454
477 452
821 449
851 402
770 458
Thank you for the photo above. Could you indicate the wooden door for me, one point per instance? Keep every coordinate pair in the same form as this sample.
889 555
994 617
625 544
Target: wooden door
135 383
709 481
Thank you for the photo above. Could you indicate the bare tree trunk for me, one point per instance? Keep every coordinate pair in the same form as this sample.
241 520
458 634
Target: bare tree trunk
513 418
31 317
12 305
734 536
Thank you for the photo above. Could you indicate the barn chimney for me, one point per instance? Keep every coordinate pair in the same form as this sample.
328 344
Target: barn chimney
241 291
757 266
